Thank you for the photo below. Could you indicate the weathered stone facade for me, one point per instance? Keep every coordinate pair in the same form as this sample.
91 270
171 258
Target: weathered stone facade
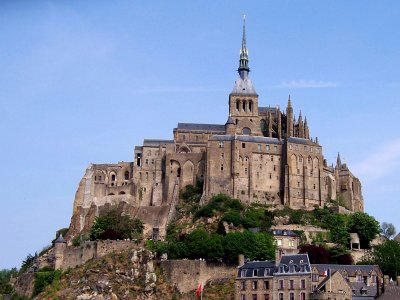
261 154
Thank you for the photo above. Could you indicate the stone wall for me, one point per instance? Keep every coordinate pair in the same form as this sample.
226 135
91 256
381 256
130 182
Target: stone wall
76 256
185 275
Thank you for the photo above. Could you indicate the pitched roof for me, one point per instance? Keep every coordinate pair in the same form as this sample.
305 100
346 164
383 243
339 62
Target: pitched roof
249 269
155 142
297 140
201 127
247 138
243 86
350 269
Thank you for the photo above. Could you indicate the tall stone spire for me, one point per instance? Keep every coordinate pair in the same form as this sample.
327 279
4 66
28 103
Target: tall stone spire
338 161
244 55
289 119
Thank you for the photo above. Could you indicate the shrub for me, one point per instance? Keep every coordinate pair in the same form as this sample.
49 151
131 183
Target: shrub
113 226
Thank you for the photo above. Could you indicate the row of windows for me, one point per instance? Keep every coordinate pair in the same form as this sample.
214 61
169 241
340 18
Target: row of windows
113 177
306 148
221 144
254 284
147 175
244 105
302 296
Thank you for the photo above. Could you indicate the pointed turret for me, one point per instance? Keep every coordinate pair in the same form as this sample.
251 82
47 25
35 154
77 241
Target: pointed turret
338 161
301 126
306 130
244 54
289 118
244 84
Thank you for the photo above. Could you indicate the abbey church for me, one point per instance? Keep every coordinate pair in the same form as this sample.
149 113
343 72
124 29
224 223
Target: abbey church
260 155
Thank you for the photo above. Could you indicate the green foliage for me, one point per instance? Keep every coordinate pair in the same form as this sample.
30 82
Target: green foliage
365 225
77 241
219 203
387 257
296 217
113 226
233 217
338 229
43 278
340 255
388 230
192 193
27 263
5 276
256 246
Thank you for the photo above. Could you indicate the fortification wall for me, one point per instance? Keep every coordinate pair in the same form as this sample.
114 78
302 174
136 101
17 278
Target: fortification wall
76 256
186 274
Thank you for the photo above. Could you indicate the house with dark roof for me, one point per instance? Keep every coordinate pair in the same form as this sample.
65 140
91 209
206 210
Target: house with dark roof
364 281
289 278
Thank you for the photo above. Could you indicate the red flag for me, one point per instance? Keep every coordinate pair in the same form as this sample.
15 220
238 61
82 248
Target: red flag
199 290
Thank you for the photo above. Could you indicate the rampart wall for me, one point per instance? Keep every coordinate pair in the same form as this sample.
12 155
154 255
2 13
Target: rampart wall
187 274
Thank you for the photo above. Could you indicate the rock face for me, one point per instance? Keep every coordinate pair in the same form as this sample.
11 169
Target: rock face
120 275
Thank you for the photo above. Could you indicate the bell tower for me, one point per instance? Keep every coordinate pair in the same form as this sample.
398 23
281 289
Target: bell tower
243 100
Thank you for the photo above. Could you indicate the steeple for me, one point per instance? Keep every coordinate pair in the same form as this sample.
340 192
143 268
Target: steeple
338 161
244 58
289 118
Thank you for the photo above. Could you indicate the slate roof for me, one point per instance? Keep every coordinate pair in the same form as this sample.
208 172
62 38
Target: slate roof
155 142
263 110
283 232
260 267
201 127
297 140
294 263
243 86
350 269
372 290
247 138
60 239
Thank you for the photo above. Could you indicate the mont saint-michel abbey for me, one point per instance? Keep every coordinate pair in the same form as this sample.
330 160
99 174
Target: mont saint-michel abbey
260 154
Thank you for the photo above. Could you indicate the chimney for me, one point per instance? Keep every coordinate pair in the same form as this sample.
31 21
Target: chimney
241 260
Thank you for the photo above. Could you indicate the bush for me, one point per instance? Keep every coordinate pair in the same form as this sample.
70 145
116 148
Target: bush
113 226
44 278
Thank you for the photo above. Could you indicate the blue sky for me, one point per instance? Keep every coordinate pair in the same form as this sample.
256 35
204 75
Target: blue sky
86 81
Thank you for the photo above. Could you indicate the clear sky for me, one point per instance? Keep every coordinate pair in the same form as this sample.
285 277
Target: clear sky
86 81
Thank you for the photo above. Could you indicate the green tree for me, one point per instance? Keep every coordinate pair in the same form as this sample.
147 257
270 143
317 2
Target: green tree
365 225
338 229
387 257
113 226
196 242
214 247
388 230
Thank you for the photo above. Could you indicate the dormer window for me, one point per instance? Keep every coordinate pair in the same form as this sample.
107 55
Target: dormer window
243 273
255 272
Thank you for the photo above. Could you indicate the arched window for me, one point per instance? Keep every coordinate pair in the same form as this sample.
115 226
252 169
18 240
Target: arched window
237 105
244 105
250 105
126 175
111 194
113 177
122 193
263 126
246 131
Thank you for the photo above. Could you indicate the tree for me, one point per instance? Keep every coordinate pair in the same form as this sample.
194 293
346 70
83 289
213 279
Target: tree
113 226
388 230
387 257
316 254
338 229
365 225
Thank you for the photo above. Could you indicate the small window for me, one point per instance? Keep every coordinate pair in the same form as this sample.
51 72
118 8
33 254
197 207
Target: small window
303 284
259 147
290 146
242 297
237 105
266 296
254 285
152 161
281 287
243 286
305 148
221 144
243 145
314 186
274 168
275 148
147 161
297 147
255 273
113 177
291 296
279 242
245 171
298 184
270 176
254 297
222 167
281 296
126 175
267 147
272 158
222 156
266 282
291 284
243 273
